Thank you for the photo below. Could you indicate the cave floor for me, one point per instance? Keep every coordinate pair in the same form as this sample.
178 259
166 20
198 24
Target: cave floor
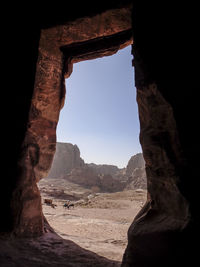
48 250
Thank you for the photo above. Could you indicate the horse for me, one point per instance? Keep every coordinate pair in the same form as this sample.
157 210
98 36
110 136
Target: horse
65 206
68 205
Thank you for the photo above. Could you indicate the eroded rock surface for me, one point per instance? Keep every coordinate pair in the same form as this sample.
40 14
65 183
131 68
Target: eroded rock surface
104 168
48 250
69 165
136 161
87 177
136 173
66 158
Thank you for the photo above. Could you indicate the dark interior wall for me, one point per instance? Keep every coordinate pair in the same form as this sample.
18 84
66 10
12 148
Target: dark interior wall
167 55
167 43
19 54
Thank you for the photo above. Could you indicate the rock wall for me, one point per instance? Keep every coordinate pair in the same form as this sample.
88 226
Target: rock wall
83 176
68 164
136 161
66 158
161 234
135 173
52 61
88 178
104 168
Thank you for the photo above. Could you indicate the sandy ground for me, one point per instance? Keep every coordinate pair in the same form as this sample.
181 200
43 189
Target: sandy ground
98 222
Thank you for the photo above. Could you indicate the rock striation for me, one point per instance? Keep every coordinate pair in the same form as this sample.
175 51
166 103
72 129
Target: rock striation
88 178
136 161
66 158
69 165
136 173
104 168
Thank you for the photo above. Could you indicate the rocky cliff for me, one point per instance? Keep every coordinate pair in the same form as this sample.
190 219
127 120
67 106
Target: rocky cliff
135 172
104 168
136 161
66 158
68 164
87 177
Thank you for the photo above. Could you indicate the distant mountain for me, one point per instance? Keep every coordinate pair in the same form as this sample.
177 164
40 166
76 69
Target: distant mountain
66 158
87 177
135 172
68 164
104 168
136 161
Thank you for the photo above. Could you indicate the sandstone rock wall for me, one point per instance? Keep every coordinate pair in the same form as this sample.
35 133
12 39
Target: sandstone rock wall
88 178
136 161
38 101
68 164
66 158
84 176
136 173
104 168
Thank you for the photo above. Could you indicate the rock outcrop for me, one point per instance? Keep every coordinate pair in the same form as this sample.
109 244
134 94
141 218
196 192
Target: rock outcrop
135 173
137 179
67 157
88 178
104 168
68 164
136 161
84 176
109 184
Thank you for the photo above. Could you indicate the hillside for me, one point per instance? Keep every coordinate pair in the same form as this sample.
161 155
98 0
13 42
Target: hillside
69 165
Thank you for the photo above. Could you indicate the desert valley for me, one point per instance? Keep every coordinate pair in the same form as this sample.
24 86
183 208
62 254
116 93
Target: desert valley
103 200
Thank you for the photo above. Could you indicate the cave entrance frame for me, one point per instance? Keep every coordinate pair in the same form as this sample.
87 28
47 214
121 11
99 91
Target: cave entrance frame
155 230
59 47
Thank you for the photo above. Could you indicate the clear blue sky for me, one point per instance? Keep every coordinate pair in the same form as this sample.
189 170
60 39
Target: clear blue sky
100 113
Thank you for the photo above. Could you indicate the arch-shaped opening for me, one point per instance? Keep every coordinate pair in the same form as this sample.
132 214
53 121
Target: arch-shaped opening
55 61
105 198
160 226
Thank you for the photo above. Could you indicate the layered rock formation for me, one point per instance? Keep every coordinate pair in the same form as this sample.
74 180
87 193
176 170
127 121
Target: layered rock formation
88 178
135 173
84 176
104 168
68 164
66 158
136 161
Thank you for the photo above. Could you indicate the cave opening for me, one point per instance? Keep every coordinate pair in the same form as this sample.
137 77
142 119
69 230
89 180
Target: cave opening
98 167
166 226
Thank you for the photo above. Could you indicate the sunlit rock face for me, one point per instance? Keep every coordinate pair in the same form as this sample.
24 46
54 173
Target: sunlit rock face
136 161
66 158
88 178
135 172
68 164
83 176
104 168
